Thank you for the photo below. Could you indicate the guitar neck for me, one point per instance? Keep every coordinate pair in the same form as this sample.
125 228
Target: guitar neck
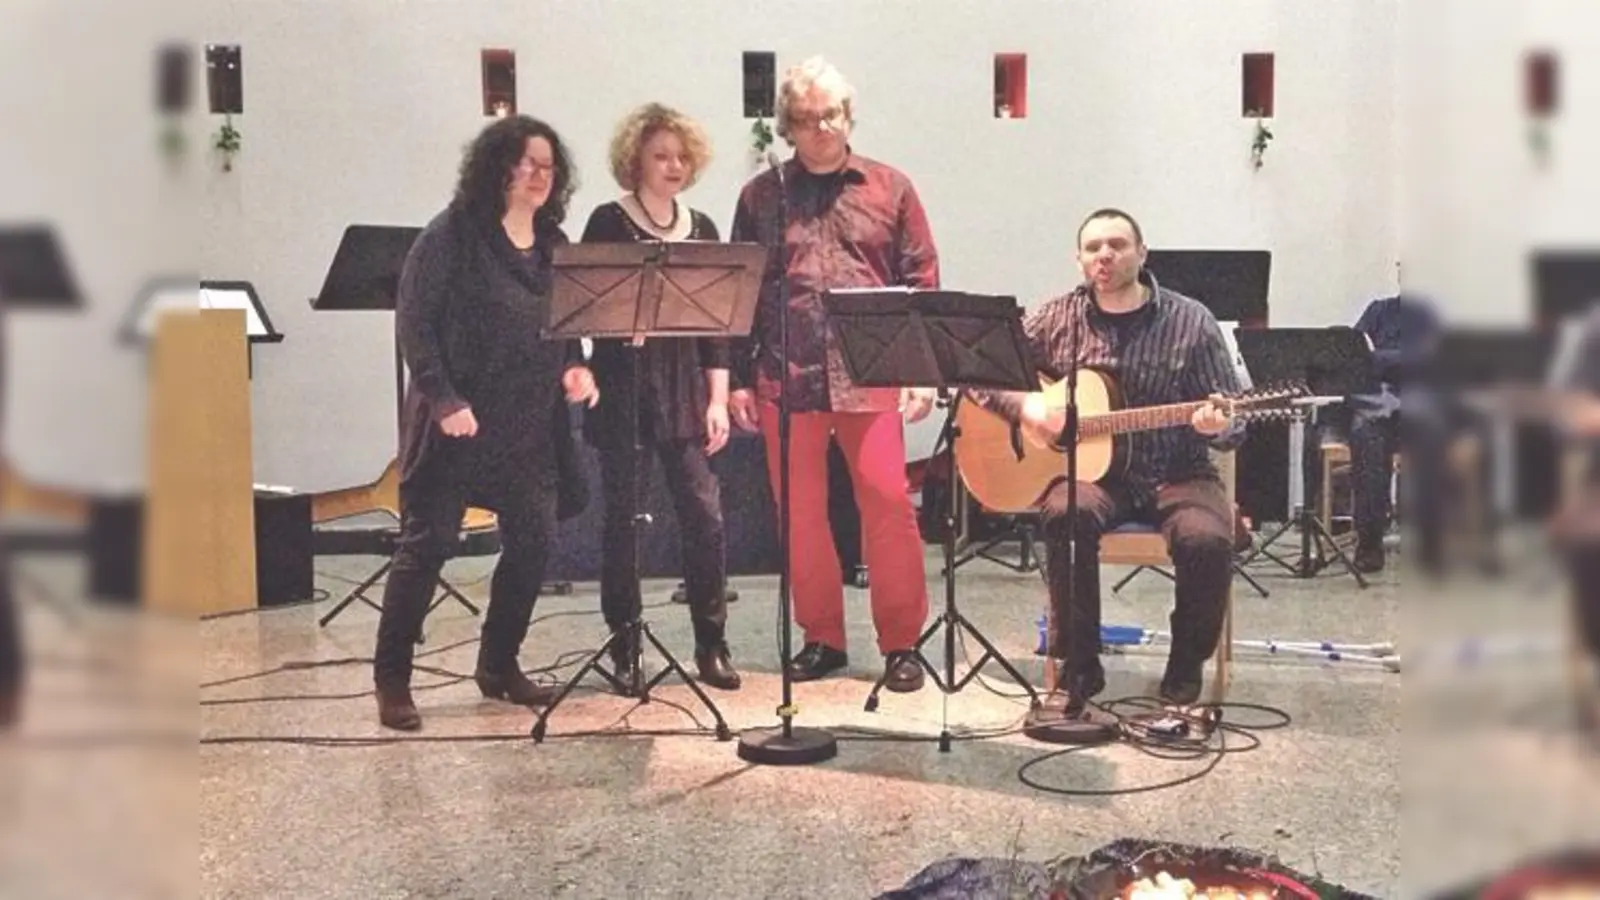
1144 418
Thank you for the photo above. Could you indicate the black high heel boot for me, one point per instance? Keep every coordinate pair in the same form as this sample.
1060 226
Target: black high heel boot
716 667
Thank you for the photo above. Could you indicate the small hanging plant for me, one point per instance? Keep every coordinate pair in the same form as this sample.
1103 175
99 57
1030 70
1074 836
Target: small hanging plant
173 141
226 142
1539 142
761 136
1258 145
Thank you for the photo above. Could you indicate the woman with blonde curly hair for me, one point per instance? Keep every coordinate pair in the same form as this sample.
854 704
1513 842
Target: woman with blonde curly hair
656 154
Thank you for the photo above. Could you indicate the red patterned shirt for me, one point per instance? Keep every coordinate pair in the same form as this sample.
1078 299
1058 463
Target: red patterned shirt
860 227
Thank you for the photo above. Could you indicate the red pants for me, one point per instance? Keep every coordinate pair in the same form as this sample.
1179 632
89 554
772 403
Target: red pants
874 447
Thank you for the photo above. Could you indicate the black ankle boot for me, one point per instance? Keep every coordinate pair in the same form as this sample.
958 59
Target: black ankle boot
396 709
512 685
716 667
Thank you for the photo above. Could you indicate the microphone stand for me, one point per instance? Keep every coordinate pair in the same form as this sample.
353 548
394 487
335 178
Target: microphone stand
785 745
1069 723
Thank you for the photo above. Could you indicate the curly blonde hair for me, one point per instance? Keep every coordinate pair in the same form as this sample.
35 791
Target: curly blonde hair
641 125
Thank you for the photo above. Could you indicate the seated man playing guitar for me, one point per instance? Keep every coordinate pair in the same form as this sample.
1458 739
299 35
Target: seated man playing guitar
1158 347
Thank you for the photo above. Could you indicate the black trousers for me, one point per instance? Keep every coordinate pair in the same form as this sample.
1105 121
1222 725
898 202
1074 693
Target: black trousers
697 500
430 525
1583 567
11 662
1198 524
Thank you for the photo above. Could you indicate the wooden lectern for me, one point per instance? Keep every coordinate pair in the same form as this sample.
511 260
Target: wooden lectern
199 526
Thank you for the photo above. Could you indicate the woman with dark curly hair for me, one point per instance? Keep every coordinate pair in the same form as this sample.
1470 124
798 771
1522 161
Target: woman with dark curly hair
658 152
486 421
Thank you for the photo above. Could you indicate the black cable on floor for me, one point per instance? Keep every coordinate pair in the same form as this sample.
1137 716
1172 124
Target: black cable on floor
1134 731
303 665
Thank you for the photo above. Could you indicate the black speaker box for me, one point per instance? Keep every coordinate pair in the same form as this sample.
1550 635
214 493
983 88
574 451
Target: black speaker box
283 548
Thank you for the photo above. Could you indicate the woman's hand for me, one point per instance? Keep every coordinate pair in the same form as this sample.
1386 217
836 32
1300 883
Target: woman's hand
716 427
579 384
461 423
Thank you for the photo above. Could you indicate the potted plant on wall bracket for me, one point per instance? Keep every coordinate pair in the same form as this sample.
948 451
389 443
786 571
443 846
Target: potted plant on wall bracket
226 142
1258 143
761 138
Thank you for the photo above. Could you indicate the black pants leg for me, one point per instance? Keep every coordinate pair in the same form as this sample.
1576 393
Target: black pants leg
430 523
1583 568
1372 442
1197 521
1426 435
697 499
1076 638
625 489
527 521
11 656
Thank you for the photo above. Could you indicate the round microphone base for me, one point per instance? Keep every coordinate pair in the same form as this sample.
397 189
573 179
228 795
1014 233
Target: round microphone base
1053 725
800 747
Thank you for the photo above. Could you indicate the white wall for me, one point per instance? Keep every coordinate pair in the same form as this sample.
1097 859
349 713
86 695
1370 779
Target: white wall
356 111
1474 201
79 151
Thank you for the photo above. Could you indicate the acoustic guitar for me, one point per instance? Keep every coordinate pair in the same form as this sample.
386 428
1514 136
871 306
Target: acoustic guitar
1009 474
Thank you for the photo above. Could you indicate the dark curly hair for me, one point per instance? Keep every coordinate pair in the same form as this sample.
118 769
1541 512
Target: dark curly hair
495 152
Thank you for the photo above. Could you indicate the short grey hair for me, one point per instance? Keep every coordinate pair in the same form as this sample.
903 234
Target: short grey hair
798 81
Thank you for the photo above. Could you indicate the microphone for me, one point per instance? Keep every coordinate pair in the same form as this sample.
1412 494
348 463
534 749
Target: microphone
776 164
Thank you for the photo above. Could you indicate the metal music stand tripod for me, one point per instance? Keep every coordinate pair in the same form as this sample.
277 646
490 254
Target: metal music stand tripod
1335 363
635 292
904 337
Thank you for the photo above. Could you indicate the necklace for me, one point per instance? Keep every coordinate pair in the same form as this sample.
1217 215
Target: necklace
671 224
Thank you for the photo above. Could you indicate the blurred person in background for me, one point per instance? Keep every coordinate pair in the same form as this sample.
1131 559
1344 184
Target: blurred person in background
1404 332
11 664
1576 529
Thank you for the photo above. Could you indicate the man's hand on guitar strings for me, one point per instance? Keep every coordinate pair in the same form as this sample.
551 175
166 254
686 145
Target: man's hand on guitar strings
1212 418
1042 424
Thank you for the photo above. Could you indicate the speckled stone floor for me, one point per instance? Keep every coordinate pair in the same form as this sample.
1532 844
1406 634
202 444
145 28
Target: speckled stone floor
472 807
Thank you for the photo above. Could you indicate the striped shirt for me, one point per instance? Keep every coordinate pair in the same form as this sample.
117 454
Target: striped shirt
1170 350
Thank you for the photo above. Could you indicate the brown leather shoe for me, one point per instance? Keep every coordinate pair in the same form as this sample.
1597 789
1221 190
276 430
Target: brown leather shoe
515 687
396 709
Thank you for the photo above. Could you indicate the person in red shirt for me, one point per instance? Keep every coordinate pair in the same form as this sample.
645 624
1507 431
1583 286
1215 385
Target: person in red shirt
846 222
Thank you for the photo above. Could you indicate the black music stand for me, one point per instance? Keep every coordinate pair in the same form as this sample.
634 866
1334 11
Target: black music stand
909 338
1334 363
365 277
640 291
1233 284
35 277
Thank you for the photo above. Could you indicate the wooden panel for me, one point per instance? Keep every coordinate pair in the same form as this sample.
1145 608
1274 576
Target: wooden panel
199 527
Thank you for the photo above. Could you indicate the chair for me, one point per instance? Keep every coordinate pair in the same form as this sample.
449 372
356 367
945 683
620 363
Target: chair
1142 545
479 535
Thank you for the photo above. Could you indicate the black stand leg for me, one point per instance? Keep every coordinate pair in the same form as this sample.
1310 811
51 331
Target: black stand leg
952 619
1069 719
359 593
1027 557
1238 569
636 632
1261 550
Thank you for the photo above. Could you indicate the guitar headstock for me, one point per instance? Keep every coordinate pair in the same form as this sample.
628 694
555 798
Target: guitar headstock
1266 403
